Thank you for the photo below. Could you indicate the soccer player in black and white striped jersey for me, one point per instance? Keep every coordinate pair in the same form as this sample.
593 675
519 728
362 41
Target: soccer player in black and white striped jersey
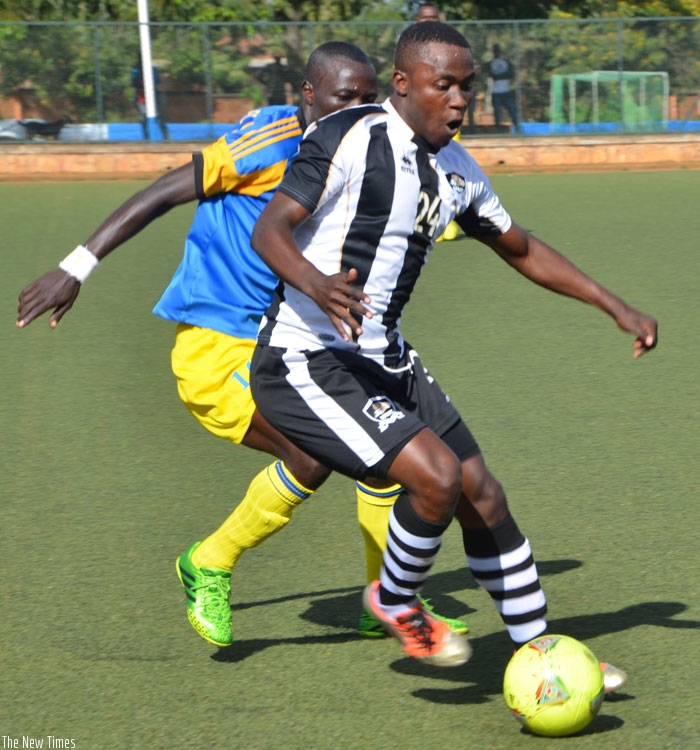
347 233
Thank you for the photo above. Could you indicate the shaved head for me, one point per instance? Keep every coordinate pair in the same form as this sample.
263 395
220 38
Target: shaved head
433 81
322 57
414 41
337 75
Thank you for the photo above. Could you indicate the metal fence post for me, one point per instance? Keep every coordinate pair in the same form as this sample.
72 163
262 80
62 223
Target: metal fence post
98 76
518 97
620 70
208 93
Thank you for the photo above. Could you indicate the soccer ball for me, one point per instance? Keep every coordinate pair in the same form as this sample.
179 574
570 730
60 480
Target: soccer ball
554 685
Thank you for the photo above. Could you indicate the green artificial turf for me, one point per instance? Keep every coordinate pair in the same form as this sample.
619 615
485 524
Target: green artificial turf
106 478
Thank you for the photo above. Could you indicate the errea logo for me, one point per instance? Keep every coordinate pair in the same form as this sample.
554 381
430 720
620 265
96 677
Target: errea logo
407 165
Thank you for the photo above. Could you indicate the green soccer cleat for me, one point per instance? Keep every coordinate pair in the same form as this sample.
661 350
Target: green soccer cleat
207 591
372 628
369 627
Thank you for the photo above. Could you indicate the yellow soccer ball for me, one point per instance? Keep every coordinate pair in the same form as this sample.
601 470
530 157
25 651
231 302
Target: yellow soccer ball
554 685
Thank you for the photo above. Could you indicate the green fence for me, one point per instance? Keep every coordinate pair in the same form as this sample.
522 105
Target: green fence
212 73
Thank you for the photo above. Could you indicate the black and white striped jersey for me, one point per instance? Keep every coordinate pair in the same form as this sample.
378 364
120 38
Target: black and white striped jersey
378 199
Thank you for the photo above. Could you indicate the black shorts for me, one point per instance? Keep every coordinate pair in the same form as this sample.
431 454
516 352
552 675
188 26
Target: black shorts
348 412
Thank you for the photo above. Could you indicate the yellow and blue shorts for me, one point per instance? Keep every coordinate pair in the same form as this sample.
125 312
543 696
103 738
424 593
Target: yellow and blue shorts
213 379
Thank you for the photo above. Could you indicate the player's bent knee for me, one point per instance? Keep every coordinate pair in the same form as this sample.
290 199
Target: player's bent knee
306 470
494 494
483 491
446 479
431 474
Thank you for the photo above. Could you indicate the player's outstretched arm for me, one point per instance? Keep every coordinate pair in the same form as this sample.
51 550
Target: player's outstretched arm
547 267
274 242
58 289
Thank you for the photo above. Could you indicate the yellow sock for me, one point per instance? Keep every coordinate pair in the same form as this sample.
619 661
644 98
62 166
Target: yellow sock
373 508
266 509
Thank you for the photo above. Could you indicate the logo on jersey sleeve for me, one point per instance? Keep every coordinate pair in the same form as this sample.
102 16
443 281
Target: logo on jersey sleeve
382 410
458 184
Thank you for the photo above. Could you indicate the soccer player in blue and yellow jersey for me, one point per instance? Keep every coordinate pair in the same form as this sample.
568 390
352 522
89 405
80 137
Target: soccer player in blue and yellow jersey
217 297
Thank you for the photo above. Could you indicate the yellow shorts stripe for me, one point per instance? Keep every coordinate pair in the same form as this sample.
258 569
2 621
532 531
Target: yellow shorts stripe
213 379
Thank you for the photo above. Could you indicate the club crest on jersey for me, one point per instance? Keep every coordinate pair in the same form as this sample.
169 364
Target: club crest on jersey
381 410
457 183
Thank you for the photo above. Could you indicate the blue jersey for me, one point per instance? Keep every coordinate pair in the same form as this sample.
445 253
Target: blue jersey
222 283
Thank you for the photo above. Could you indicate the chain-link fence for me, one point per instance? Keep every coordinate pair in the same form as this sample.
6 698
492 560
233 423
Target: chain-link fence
78 76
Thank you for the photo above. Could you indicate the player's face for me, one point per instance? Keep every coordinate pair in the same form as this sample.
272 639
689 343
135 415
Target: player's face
345 84
433 94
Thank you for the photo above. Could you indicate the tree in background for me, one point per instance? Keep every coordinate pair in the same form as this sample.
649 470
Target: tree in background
250 11
81 70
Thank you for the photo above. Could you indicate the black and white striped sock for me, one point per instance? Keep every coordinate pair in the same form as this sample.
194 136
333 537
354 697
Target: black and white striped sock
501 561
412 546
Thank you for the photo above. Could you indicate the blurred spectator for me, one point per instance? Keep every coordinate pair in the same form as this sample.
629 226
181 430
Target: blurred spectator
428 12
276 80
140 100
501 73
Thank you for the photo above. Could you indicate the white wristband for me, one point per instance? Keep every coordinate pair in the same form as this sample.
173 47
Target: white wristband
79 264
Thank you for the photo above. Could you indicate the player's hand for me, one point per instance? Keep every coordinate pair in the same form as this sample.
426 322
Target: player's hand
646 330
55 289
342 302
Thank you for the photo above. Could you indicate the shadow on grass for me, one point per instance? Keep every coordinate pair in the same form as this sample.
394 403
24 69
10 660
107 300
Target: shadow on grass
325 611
241 650
343 611
481 678
491 652
293 597
600 725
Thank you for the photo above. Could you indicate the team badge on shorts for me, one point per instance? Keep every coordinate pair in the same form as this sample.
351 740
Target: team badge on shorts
381 410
